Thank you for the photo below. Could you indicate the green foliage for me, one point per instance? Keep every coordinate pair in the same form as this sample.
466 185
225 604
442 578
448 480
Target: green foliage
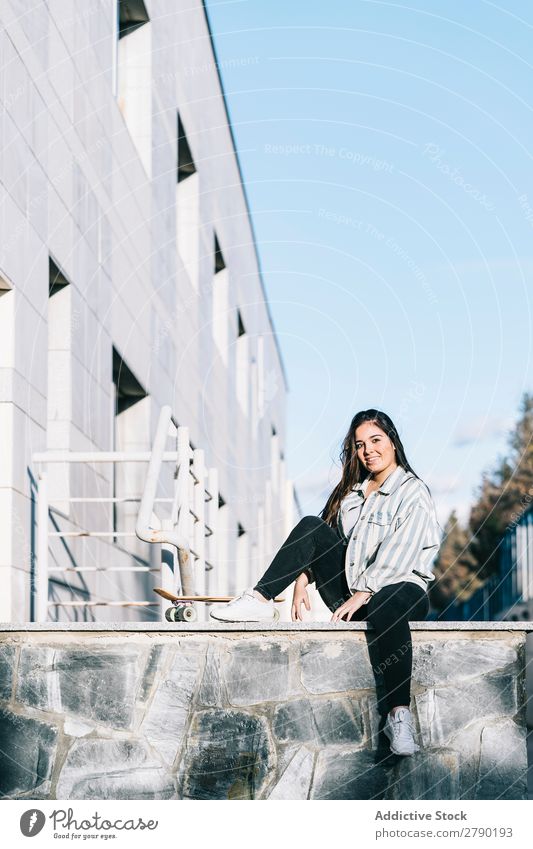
504 494
455 576
468 556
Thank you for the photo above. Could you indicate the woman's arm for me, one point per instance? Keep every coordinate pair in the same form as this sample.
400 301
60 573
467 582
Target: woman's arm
300 597
351 606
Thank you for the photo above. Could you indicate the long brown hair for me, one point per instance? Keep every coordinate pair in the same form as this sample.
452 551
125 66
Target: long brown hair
353 471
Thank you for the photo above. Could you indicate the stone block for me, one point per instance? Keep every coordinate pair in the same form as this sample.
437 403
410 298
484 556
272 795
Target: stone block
295 780
334 666
444 711
502 762
349 775
368 707
93 684
112 769
227 756
338 721
7 665
294 722
28 749
258 672
155 660
481 778
466 744
448 661
212 688
320 722
426 775
167 716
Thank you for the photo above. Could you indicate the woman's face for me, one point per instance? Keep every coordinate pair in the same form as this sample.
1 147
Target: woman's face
374 448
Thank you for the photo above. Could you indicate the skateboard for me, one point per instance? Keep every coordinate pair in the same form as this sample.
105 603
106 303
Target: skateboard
183 609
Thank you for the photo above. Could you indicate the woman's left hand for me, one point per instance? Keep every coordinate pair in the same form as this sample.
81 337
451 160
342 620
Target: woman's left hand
351 606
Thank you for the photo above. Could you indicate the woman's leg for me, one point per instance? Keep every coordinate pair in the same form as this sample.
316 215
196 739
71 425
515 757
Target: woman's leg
311 543
389 612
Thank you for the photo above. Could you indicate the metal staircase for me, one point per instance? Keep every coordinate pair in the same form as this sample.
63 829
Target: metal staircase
184 541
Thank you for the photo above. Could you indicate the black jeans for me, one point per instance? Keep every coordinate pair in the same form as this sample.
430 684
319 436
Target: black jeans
316 544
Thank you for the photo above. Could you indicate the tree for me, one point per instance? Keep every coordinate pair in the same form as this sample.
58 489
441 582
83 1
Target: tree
455 576
504 494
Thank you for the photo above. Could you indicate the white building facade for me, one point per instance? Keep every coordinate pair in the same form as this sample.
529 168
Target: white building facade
129 280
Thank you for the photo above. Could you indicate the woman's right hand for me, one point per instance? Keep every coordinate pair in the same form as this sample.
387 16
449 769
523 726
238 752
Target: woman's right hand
300 597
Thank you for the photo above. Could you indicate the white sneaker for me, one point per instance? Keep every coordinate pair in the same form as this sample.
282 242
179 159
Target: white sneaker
399 730
245 608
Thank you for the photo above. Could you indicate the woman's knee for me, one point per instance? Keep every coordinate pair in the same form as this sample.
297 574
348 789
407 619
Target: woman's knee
309 523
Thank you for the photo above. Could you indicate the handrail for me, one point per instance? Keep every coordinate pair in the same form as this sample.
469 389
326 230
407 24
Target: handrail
173 531
143 526
98 456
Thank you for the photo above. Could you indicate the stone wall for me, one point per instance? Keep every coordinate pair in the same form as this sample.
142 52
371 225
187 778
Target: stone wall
293 712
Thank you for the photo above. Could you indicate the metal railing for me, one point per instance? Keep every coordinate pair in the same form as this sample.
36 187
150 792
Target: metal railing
176 531
187 549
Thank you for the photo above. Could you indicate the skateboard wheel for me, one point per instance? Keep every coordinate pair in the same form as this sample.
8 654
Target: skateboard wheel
276 615
181 613
187 614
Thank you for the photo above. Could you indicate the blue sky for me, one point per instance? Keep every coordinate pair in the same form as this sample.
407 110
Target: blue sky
386 150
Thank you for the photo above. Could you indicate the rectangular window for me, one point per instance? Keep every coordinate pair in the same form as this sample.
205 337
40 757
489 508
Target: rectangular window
7 323
274 460
187 207
59 395
185 162
220 303
219 257
242 366
219 579
131 432
242 570
134 75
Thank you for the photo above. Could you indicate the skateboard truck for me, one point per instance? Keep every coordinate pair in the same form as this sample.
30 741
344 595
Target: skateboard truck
181 612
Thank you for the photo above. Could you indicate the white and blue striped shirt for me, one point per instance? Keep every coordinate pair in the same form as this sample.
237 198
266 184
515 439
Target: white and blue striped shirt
396 534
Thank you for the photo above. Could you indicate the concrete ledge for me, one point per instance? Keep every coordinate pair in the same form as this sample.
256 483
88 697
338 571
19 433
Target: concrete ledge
292 711
247 627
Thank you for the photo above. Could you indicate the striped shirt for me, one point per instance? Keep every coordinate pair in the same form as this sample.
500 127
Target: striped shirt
349 517
396 534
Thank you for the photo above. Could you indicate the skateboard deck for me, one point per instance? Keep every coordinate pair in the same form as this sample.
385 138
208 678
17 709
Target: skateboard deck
182 609
206 598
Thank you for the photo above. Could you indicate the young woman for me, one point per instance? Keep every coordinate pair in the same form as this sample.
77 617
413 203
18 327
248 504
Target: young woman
370 554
